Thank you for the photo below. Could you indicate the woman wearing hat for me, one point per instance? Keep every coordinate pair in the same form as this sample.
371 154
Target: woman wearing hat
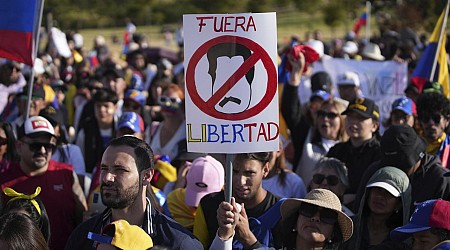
315 222
384 206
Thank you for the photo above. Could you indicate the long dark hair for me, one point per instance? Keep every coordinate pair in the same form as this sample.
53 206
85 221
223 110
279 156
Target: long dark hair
19 232
25 206
11 152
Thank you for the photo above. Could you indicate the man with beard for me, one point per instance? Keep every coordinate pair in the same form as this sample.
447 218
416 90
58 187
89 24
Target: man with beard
258 224
126 171
433 110
61 193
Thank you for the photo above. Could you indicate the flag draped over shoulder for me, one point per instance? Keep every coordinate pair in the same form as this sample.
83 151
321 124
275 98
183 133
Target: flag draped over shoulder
423 70
362 20
19 24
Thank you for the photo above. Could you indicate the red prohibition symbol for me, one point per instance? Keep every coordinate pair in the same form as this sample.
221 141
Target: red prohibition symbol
207 106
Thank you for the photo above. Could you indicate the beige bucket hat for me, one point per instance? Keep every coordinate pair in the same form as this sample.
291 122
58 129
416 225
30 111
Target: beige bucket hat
322 198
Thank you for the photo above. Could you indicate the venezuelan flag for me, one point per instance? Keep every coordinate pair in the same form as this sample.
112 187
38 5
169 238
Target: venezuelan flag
362 20
422 72
19 21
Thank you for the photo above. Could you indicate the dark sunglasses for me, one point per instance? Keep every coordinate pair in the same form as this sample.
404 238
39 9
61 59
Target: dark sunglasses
332 180
37 146
327 215
426 118
3 141
163 100
329 115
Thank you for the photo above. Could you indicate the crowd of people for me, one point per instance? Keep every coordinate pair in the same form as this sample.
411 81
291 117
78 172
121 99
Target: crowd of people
102 158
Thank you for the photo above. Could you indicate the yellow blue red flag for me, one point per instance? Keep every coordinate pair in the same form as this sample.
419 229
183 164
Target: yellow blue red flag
423 70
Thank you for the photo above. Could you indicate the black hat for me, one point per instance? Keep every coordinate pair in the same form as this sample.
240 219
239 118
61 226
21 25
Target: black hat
364 107
53 115
183 155
401 147
321 81
38 91
432 87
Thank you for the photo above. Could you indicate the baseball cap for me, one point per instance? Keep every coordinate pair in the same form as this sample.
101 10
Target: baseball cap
124 236
38 91
364 107
136 82
132 121
205 176
36 126
401 147
183 155
135 96
321 81
428 214
348 78
321 94
53 115
432 87
404 104
386 186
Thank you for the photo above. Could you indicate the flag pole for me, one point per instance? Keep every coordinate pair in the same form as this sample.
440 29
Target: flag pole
441 35
35 49
368 10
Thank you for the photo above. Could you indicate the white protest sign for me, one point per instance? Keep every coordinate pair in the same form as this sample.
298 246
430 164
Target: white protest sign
231 82
382 82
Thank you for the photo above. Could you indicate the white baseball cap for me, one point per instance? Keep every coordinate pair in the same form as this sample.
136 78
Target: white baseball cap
348 78
36 126
386 186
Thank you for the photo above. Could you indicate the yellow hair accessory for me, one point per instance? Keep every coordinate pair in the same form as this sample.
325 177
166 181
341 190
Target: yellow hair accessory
12 193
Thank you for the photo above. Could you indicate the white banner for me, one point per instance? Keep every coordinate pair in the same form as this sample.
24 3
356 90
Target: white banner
231 82
382 82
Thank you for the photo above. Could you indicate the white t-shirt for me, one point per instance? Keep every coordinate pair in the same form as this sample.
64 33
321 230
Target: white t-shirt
171 147
294 187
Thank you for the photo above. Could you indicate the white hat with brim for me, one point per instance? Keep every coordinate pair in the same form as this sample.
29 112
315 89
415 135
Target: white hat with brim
386 186
322 198
372 51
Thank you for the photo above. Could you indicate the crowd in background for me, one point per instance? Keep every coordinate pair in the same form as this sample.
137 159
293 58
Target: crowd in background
335 183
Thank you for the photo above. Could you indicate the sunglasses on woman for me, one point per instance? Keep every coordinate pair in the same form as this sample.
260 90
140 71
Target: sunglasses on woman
329 115
164 100
332 180
327 215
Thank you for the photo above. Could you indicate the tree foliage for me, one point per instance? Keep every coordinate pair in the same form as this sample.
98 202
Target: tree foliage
111 13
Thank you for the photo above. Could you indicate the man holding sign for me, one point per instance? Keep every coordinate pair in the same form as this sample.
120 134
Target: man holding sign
260 213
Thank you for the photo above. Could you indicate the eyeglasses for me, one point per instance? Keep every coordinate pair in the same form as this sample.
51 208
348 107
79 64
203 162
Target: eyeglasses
435 117
327 215
3 141
329 115
37 146
164 100
332 180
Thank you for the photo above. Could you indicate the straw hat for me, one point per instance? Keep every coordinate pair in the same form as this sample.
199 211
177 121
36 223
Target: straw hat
372 51
322 198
